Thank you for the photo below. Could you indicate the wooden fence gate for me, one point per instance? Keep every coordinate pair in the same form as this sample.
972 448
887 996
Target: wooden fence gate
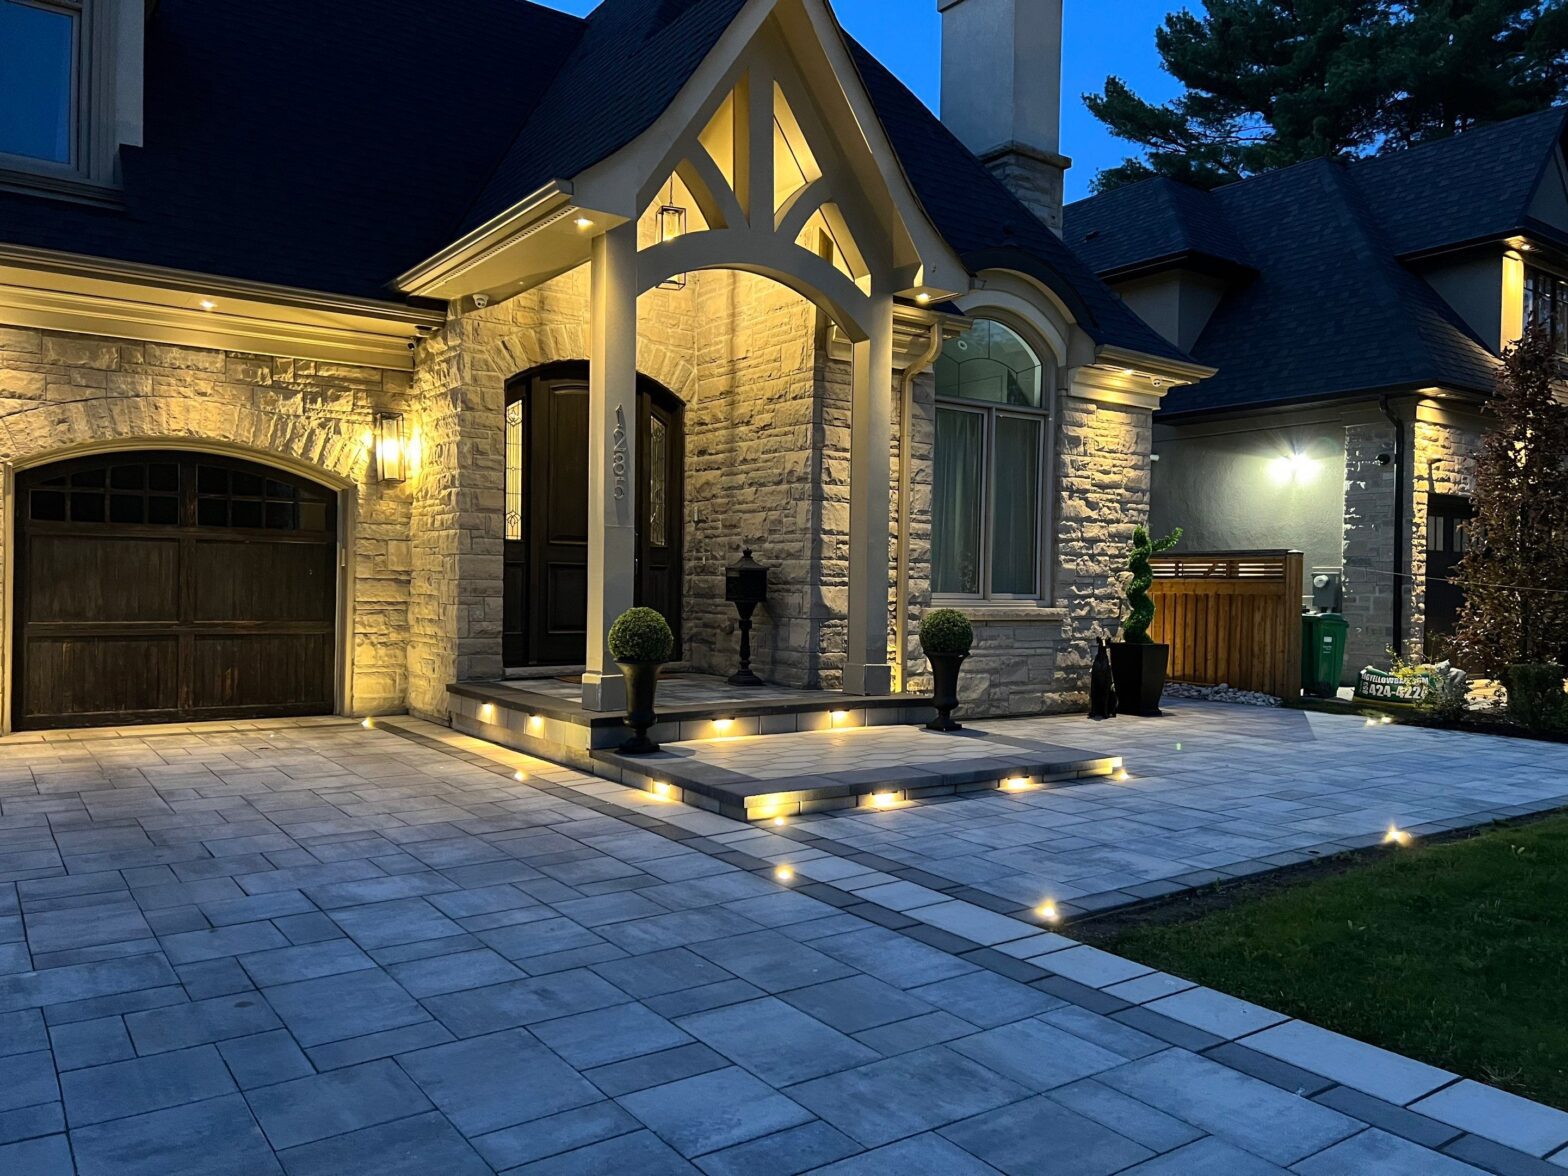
1231 617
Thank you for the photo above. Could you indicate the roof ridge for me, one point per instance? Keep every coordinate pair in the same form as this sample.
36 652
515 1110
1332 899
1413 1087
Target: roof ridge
1484 129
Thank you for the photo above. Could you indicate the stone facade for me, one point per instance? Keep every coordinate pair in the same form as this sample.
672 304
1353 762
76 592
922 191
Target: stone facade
62 394
759 474
1441 460
1034 658
767 428
1038 179
1371 482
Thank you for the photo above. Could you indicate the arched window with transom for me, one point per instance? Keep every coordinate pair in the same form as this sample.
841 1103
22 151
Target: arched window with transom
994 397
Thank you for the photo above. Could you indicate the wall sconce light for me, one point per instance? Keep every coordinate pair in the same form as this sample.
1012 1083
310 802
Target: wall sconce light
1294 468
391 454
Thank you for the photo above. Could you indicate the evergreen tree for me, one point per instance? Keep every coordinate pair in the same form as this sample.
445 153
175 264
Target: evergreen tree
1515 574
1269 83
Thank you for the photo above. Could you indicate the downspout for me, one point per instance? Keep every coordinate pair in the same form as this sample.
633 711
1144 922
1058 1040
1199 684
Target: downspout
1401 541
906 413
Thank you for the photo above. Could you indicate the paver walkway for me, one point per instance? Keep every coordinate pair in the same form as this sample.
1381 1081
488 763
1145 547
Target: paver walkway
1213 792
314 948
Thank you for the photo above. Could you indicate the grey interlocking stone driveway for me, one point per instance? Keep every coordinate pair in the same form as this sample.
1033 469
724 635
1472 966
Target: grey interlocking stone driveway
312 948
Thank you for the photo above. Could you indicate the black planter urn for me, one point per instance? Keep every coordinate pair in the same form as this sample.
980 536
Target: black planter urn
1139 671
944 690
642 681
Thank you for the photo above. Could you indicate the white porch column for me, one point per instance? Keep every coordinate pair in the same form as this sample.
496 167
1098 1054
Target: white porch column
866 666
612 456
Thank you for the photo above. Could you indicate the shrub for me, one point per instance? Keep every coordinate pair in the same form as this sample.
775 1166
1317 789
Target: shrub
1448 690
1136 629
1535 696
641 635
1449 698
946 630
1513 571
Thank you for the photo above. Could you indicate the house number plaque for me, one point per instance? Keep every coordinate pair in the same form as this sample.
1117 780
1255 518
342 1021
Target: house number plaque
618 455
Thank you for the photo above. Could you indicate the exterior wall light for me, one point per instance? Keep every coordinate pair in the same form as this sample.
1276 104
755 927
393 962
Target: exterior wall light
1293 469
391 453
672 225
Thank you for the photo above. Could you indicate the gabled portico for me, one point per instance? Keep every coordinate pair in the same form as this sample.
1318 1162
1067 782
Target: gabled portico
779 168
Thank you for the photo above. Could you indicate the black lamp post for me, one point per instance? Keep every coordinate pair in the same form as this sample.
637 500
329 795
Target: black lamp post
745 586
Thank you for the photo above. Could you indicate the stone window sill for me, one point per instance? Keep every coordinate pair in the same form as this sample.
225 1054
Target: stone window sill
1012 614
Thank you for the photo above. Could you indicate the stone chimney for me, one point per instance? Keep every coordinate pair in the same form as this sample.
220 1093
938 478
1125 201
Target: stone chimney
1002 93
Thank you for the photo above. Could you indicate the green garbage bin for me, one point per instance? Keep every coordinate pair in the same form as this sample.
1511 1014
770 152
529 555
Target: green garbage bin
1323 653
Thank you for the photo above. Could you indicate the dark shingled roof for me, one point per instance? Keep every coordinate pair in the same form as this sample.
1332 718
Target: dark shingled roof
1472 187
1332 312
986 225
1142 225
1330 309
321 146
631 61
331 147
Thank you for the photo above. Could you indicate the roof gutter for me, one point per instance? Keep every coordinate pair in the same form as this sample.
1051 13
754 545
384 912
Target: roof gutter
1173 371
498 231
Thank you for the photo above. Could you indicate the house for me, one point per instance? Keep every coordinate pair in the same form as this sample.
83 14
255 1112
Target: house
353 353
1355 313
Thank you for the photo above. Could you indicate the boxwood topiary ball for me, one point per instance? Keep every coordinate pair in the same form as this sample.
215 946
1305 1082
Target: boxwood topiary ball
946 630
641 635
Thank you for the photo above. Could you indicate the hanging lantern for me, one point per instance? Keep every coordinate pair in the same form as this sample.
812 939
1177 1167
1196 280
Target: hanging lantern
672 225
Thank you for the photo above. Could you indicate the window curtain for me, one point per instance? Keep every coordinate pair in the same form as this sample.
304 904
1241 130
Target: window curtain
1015 522
958 500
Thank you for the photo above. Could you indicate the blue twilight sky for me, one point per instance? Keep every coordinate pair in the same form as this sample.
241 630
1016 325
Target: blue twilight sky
1103 37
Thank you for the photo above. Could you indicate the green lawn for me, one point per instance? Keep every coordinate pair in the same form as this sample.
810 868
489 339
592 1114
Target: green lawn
1454 954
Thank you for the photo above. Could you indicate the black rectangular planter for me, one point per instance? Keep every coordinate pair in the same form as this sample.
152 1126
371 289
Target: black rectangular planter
1139 671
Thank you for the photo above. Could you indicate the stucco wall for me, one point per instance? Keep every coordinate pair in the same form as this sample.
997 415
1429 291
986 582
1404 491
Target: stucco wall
1235 490
60 393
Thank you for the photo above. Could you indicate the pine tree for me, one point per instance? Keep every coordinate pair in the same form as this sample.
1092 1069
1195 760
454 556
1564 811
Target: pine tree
1515 575
1269 83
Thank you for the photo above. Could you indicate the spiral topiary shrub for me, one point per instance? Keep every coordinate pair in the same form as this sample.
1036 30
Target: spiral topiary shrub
946 631
641 635
1136 629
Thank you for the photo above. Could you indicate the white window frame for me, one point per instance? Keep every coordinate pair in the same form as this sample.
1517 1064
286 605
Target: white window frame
106 99
1044 514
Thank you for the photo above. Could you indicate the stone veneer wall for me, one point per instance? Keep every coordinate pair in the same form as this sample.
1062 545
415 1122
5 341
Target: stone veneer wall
60 390
757 458
455 610
1443 461
1031 659
1370 542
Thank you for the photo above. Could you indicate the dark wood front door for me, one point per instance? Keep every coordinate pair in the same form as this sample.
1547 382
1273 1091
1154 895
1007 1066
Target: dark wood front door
1448 520
545 621
159 587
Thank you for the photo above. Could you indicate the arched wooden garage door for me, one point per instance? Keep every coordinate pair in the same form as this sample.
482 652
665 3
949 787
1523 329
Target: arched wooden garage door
159 587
